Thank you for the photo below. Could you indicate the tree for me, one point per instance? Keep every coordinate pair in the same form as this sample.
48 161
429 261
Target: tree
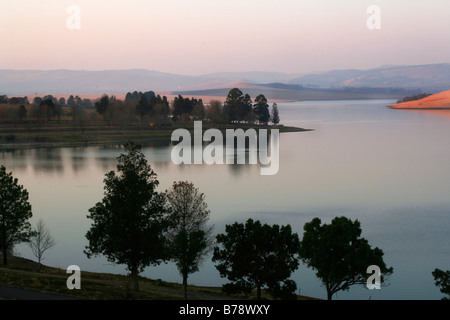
189 235
129 224
62 101
40 241
275 116
15 211
255 255
198 112
338 254
22 112
161 110
183 107
214 111
71 101
37 112
79 116
143 107
37 100
186 250
3 99
442 280
48 106
146 102
102 104
261 109
238 105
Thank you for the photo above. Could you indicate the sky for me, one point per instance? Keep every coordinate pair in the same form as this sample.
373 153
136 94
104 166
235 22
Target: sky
196 37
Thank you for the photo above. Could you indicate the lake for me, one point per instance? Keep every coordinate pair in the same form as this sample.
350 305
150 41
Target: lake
390 169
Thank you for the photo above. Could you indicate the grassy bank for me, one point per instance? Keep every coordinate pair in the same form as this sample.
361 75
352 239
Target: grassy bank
66 134
27 274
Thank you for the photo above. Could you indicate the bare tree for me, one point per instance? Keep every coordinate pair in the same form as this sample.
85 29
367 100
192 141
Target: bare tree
40 241
189 235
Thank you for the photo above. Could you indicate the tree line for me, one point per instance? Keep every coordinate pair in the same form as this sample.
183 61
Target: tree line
143 108
238 107
414 97
138 226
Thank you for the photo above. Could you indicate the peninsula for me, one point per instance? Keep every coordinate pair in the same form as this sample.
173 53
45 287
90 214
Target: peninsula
438 101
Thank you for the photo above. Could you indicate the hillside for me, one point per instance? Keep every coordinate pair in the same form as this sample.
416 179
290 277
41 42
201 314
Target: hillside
27 274
431 78
436 101
42 82
278 92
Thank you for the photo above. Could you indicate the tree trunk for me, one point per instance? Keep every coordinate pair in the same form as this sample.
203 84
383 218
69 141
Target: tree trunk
185 286
329 295
5 247
136 282
258 292
134 276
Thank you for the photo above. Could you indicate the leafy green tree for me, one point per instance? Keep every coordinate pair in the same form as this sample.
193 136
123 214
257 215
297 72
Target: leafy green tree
338 254
36 112
71 101
238 105
189 234
246 109
102 104
214 111
442 280
22 112
185 250
183 107
129 224
62 101
143 107
275 117
198 112
261 109
17 100
48 106
79 100
37 100
161 110
15 211
257 256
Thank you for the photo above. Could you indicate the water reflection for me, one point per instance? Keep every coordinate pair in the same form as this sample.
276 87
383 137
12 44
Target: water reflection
441 114
47 160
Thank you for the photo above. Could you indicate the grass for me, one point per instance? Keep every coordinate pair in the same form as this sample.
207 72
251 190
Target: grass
64 133
27 274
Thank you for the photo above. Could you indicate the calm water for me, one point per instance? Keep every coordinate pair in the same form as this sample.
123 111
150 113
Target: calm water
389 169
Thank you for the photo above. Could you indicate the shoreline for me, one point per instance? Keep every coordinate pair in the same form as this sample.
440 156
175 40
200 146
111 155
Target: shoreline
72 138
393 107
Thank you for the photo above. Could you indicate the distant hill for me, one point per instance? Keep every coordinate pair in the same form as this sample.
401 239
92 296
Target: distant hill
25 82
253 77
439 100
432 77
429 78
285 92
